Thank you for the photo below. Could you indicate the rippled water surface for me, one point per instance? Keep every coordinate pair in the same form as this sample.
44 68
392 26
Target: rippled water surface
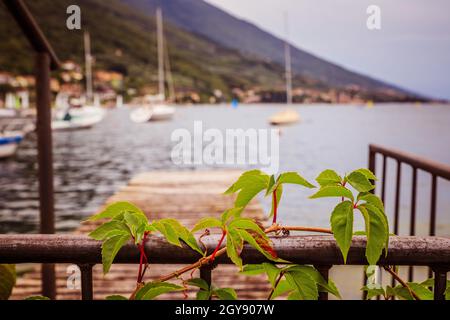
91 165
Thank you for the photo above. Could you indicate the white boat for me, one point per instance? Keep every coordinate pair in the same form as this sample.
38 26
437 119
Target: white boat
9 145
157 109
285 117
78 118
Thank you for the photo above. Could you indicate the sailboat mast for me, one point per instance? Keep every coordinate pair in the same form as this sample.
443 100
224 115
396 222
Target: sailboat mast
88 66
160 40
287 58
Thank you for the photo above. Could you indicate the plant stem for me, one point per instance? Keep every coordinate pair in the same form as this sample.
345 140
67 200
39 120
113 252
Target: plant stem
275 206
213 256
276 228
403 283
276 285
205 260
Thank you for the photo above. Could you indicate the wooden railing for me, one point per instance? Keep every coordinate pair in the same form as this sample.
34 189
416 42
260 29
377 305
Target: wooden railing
320 251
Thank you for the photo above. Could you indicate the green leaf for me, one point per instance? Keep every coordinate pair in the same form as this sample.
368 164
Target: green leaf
252 241
197 282
116 297
207 222
253 269
231 213
203 295
108 230
37 298
282 288
342 226
294 178
447 293
295 295
272 272
328 177
225 294
173 231
302 283
154 289
333 191
116 209
360 182
366 172
249 185
110 248
247 224
421 291
372 199
137 224
324 286
377 232
7 280
373 292
234 246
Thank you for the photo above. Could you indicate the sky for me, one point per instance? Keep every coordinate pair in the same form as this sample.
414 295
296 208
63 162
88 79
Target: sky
411 50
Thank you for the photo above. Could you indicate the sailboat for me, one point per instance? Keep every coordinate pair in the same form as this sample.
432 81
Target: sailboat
288 116
156 107
85 117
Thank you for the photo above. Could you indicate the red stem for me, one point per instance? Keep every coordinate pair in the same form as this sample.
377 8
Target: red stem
275 206
213 256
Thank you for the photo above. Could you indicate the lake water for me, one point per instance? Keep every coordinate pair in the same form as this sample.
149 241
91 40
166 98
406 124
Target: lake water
91 165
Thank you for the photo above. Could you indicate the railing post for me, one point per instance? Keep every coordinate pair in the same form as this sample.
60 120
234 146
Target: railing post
45 161
206 274
440 282
324 271
87 292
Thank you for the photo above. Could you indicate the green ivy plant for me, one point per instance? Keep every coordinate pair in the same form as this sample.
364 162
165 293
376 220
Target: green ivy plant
123 222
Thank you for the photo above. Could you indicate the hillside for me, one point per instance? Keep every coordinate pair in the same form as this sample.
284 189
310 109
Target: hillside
201 17
197 63
203 45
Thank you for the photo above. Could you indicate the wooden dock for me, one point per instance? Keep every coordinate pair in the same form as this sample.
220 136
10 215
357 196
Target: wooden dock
183 195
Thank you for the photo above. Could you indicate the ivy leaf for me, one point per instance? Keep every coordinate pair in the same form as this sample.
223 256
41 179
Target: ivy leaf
282 288
207 222
234 247
136 223
248 186
225 294
295 295
174 231
109 229
369 174
247 224
318 278
360 182
328 177
272 272
116 298
262 245
253 269
203 295
376 231
422 292
231 213
333 191
199 283
116 209
294 178
110 248
37 298
303 284
342 226
154 289
373 292
7 280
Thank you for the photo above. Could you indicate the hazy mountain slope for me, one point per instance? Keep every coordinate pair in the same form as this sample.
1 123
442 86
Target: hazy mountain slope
203 18
124 39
